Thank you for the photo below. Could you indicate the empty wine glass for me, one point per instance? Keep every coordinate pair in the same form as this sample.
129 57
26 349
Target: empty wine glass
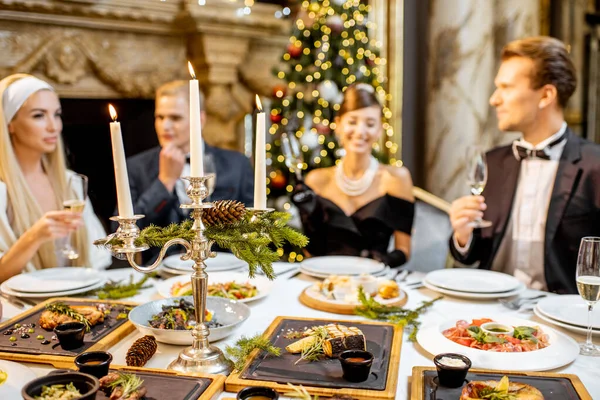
74 201
294 159
588 286
477 177
210 168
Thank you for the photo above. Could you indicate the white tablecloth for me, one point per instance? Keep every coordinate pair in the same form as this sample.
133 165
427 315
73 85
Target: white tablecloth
283 300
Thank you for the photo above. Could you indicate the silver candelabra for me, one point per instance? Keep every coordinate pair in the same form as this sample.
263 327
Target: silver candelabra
201 356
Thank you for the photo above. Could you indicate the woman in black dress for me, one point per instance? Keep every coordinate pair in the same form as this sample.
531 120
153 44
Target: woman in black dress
355 207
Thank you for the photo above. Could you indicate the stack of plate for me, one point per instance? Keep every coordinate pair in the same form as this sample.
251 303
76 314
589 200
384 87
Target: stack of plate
174 265
322 267
53 282
569 312
473 283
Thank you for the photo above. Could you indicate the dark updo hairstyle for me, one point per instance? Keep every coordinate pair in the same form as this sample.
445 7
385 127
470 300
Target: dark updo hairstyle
360 95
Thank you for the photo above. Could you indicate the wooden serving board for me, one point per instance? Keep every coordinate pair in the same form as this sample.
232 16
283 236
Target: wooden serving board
323 378
309 299
101 337
553 386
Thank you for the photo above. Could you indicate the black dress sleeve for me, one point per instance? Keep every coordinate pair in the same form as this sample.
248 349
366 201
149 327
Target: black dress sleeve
312 216
399 214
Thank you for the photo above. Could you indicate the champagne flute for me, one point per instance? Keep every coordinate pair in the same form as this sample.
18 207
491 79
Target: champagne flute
294 159
588 286
210 168
477 177
74 201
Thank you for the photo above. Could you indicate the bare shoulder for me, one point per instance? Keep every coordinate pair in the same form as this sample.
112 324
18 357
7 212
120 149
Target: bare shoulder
398 182
319 178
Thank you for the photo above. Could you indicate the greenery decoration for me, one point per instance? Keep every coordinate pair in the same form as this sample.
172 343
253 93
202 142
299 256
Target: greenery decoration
115 290
242 349
62 308
372 309
249 239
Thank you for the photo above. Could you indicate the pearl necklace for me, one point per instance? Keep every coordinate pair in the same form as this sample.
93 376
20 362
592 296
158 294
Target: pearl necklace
356 187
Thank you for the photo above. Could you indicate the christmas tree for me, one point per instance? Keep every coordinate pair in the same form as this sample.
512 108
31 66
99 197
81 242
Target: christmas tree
329 50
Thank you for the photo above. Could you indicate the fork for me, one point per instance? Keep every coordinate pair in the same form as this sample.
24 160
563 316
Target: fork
517 303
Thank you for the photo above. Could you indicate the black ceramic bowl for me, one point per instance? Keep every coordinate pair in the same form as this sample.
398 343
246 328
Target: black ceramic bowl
356 365
70 335
249 393
94 363
449 375
87 385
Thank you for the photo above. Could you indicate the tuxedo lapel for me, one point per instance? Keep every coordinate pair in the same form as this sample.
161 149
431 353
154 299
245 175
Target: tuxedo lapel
565 184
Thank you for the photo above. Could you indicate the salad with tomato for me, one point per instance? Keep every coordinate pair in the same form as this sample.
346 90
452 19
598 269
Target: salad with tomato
229 290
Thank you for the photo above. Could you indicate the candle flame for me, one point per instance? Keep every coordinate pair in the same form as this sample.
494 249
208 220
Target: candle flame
258 104
191 70
113 112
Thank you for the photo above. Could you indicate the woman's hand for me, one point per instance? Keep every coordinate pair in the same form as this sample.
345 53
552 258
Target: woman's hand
55 225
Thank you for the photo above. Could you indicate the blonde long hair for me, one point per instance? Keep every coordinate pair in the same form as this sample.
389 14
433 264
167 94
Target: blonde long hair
23 206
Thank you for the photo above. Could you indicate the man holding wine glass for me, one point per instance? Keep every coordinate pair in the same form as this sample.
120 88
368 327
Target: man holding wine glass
157 189
542 192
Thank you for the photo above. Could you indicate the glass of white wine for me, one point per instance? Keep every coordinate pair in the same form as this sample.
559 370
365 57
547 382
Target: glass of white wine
588 285
294 159
477 177
74 201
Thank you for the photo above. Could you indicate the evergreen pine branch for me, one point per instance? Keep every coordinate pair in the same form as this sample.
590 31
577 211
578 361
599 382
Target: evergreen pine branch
246 345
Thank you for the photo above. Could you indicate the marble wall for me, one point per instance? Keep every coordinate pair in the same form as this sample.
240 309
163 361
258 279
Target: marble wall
465 39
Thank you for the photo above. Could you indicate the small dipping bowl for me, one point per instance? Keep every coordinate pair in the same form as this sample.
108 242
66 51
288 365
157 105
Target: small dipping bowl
257 393
452 369
356 365
70 335
94 363
496 328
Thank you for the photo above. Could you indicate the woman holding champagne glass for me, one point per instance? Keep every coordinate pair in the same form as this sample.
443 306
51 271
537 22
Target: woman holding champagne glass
35 185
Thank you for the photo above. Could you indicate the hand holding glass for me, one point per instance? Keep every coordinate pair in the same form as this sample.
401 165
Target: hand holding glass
588 285
294 158
74 201
477 177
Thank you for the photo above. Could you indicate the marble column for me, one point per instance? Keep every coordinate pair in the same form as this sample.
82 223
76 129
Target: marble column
465 39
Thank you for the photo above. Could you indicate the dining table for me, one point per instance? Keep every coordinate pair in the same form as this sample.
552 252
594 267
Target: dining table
283 301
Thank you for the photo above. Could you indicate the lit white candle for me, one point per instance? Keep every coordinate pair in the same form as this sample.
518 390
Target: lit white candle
196 163
122 181
260 168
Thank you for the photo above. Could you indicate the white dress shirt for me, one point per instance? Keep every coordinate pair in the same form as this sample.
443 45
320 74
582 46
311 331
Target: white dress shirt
521 252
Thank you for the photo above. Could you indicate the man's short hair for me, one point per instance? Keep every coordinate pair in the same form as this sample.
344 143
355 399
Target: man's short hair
178 88
553 64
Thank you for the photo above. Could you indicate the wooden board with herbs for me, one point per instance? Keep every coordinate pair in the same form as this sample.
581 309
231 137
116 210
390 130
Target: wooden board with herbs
24 339
552 386
311 299
322 376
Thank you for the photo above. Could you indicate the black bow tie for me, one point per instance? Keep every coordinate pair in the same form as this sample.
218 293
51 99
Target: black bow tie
187 159
522 153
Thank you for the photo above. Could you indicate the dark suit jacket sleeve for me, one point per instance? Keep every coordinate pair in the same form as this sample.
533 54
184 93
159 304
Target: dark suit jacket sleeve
475 251
247 182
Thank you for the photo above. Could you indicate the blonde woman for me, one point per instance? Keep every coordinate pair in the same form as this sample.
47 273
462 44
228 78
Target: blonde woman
356 207
33 183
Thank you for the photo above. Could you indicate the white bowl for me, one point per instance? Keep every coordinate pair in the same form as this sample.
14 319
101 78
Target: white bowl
230 313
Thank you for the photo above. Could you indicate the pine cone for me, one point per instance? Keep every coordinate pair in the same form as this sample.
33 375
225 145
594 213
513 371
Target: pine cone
141 351
223 212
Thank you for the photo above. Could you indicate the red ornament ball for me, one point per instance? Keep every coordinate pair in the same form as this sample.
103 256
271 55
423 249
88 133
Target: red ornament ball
279 91
294 51
276 118
323 129
279 181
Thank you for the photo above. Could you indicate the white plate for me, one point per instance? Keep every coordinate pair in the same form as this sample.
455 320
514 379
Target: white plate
480 296
561 351
472 280
228 312
222 262
8 291
570 309
54 280
573 328
346 265
383 272
18 376
263 285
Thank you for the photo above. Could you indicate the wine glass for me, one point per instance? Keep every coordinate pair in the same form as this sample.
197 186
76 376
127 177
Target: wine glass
74 201
477 177
588 285
294 159
210 168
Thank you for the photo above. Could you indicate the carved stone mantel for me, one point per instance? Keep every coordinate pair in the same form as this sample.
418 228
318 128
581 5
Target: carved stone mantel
126 48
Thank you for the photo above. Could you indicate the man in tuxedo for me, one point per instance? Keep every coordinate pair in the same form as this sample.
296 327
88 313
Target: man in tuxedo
543 191
157 189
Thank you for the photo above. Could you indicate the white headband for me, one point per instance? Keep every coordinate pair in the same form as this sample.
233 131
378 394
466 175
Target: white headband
18 92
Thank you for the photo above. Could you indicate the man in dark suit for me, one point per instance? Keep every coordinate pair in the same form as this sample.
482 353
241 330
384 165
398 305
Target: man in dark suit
543 191
157 189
